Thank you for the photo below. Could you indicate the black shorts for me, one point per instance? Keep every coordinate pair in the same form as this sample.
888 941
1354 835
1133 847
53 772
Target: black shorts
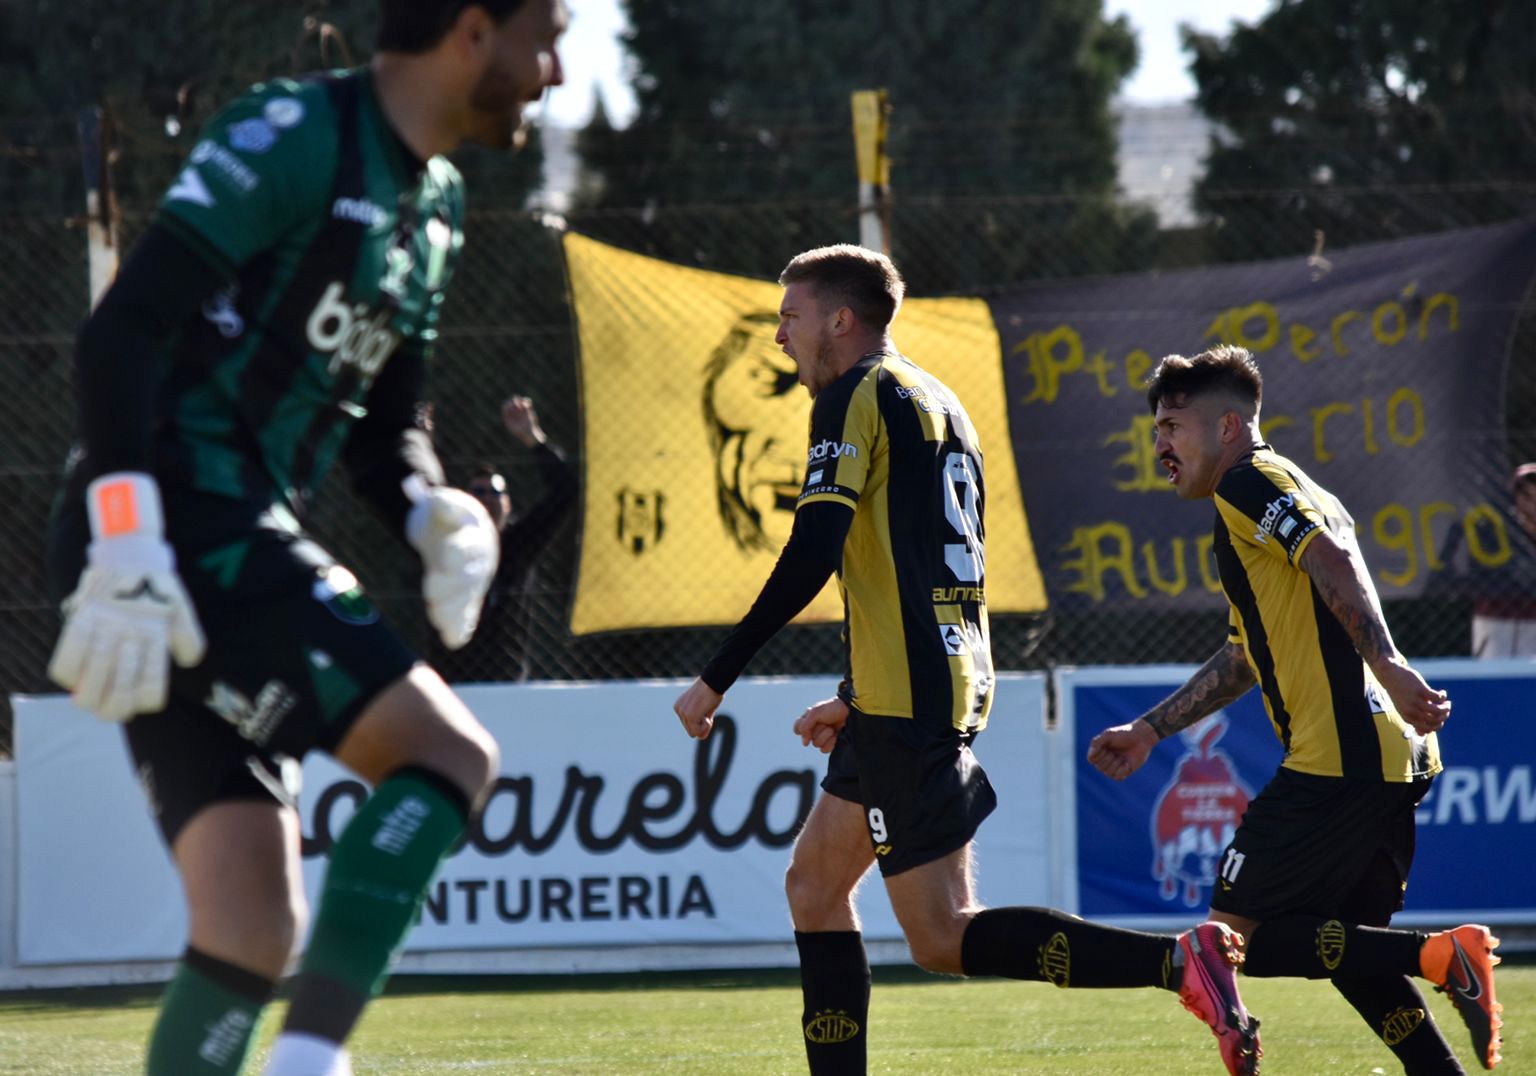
1326 846
923 792
296 650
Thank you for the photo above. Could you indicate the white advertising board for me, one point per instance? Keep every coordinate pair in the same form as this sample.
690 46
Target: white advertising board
607 828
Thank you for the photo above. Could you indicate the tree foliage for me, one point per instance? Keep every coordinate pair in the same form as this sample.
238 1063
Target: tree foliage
1001 131
1357 110
160 70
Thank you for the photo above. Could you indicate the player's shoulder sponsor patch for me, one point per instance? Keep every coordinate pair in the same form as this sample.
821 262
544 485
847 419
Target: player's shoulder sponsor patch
215 162
255 135
283 112
189 187
1262 502
819 484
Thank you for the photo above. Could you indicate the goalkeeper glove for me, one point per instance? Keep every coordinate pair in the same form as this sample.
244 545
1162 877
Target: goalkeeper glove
129 616
460 548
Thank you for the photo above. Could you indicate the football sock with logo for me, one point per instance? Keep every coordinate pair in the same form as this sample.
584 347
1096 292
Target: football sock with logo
1395 1009
207 1016
834 979
1054 947
378 873
1310 947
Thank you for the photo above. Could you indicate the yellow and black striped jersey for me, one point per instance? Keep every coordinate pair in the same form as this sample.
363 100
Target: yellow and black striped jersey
1333 717
893 443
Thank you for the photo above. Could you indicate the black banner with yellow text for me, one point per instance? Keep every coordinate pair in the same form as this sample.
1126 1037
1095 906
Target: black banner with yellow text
1384 369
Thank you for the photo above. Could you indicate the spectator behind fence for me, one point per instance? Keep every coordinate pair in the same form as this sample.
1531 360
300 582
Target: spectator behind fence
499 649
1504 610
1490 563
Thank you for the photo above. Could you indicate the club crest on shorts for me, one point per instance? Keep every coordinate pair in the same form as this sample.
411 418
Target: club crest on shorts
339 591
1330 944
1195 814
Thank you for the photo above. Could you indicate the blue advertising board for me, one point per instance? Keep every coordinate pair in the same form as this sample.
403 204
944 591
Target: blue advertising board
1144 851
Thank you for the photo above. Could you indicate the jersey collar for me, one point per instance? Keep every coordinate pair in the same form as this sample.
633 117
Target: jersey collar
402 159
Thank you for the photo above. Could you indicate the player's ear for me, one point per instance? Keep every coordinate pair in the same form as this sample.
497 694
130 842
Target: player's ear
1231 426
472 30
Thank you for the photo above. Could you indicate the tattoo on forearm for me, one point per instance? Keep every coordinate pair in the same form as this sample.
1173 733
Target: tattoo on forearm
1221 680
1359 617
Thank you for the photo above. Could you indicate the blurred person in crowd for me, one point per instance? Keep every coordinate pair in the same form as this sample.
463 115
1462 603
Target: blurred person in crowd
1504 604
278 313
893 502
1319 864
500 647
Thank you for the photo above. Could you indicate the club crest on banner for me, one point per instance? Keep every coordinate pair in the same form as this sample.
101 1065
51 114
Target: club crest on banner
1196 814
640 523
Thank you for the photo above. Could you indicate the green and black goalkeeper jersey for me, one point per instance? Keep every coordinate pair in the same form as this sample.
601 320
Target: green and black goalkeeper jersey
339 243
893 443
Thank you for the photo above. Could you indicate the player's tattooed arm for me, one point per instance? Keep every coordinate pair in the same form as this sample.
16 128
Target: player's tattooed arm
1340 577
1223 679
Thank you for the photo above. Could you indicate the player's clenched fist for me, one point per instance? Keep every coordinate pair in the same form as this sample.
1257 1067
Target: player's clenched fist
1119 752
129 616
696 707
819 725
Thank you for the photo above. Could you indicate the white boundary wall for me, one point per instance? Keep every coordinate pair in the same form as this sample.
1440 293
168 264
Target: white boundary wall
613 843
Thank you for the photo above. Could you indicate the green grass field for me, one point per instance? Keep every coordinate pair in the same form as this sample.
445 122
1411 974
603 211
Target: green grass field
717 1023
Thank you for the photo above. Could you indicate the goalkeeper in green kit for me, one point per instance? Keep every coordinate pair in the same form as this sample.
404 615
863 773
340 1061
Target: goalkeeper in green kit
278 314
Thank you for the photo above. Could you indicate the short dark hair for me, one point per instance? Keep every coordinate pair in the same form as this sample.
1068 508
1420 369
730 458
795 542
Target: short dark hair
417 25
863 280
1225 369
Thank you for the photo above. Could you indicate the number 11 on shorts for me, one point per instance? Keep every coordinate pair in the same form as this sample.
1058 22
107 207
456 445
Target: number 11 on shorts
1232 864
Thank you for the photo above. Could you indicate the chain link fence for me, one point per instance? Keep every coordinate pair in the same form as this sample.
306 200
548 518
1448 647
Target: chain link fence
508 327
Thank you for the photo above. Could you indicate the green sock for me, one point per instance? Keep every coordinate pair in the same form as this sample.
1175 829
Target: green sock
378 875
208 1015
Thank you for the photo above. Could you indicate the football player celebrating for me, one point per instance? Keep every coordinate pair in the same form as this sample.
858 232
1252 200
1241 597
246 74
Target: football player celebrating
895 505
1327 844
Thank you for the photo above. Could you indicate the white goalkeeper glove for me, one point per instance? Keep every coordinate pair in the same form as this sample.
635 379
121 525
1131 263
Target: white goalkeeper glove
130 615
460 548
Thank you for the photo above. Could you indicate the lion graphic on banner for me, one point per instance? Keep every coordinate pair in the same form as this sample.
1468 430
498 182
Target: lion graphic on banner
757 428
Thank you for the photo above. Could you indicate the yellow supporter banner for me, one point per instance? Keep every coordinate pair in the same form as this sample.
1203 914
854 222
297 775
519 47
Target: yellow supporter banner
695 435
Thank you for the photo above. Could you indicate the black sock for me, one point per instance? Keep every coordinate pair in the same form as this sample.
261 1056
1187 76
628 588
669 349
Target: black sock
1053 947
324 1007
834 978
1395 1009
1310 947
